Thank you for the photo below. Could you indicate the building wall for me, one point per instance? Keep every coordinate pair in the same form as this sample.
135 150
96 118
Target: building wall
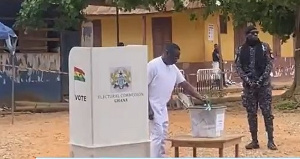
187 34
227 40
131 30
287 49
192 36
31 85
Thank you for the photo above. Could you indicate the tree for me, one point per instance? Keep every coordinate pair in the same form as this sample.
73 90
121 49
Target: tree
277 17
280 18
67 14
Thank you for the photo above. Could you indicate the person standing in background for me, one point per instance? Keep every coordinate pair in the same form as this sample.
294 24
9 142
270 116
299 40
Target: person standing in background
216 65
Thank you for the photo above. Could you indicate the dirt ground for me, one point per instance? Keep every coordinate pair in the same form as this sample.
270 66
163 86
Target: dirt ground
47 135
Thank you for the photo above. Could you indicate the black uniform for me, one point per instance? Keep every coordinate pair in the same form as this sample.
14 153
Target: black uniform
254 65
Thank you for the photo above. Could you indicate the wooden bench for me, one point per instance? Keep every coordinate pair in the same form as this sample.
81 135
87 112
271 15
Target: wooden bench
220 143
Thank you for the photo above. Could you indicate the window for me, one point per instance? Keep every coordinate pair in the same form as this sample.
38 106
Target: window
223 24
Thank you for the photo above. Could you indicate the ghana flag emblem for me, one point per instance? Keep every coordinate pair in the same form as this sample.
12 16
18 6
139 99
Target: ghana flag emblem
79 74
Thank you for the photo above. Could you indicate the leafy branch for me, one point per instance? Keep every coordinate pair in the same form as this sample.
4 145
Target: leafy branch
274 16
67 14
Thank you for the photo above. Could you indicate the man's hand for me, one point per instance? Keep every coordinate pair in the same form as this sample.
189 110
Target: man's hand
202 98
192 91
150 112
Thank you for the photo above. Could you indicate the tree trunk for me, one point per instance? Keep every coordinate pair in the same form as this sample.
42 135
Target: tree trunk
294 92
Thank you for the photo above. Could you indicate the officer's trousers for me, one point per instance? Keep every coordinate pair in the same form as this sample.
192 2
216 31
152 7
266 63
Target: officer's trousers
253 98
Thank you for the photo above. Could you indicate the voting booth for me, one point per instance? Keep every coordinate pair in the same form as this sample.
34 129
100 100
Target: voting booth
108 94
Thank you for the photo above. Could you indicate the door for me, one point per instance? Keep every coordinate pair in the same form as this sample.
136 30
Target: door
161 34
239 36
276 46
97 31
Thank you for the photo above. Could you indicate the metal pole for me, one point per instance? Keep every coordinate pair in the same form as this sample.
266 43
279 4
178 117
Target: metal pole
13 88
222 79
144 30
117 22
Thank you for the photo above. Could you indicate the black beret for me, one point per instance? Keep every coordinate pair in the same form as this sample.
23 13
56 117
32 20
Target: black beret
249 29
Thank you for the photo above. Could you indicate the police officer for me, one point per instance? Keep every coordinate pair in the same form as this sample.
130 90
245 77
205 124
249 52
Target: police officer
253 65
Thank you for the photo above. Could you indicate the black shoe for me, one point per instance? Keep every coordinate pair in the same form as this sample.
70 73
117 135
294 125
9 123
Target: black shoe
271 145
252 145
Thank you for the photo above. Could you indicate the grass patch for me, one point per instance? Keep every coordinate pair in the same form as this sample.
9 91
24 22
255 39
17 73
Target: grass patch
286 105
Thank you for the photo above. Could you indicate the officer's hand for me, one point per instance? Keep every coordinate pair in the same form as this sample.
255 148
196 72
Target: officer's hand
257 85
248 81
260 82
254 85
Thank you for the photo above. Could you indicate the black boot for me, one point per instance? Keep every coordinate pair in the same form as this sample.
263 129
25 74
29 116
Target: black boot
269 128
271 145
252 120
254 143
